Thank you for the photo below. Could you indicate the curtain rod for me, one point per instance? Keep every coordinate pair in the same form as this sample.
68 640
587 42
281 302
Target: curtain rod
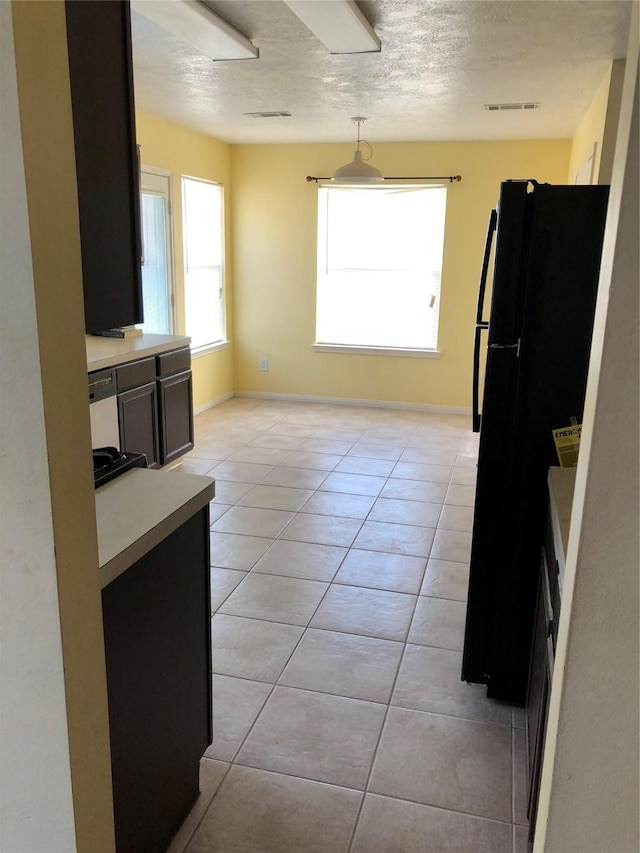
450 178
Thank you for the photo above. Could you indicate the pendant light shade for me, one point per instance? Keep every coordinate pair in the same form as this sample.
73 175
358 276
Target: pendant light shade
357 171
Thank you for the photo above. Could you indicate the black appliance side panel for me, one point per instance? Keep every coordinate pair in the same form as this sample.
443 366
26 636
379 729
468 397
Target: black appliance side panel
567 229
101 75
492 504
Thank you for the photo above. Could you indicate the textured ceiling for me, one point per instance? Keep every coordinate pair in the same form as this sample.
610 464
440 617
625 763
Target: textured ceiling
440 63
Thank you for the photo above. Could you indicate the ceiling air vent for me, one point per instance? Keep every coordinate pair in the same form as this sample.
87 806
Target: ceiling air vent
273 114
526 105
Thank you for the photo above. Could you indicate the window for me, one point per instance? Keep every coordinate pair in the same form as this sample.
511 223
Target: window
379 266
157 279
203 262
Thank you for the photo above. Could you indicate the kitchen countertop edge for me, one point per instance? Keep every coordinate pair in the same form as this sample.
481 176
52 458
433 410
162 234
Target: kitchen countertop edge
110 352
562 483
139 509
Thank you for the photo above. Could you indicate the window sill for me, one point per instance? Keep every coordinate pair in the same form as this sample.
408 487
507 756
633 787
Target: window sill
386 351
209 348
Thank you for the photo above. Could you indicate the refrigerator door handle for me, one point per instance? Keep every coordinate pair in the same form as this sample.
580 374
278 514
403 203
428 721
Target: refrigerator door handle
515 346
475 413
493 219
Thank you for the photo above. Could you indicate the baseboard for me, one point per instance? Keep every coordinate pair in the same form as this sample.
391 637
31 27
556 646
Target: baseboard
348 401
213 403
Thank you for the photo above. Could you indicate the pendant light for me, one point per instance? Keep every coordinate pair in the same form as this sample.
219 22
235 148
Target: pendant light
357 171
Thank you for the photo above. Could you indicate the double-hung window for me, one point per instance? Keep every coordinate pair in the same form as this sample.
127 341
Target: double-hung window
203 220
379 267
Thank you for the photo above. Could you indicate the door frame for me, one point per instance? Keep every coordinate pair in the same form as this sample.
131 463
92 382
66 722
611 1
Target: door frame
167 175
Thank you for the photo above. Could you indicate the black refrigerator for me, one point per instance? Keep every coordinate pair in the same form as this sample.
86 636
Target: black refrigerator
546 243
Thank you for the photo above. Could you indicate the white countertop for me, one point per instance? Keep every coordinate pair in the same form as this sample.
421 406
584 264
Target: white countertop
562 482
139 509
109 352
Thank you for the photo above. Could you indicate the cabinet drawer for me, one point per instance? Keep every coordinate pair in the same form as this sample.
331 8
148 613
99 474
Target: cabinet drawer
136 373
175 361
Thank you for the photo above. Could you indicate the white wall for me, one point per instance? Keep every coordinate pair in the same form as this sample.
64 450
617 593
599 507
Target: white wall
35 776
590 792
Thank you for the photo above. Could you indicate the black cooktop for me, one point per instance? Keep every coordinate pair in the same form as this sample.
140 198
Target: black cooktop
109 462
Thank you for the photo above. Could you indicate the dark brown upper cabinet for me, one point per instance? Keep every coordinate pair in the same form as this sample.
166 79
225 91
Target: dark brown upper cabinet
101 73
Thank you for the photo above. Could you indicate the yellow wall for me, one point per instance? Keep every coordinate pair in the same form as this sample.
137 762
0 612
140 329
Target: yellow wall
49 162
184 152
274 239
599 126
590 131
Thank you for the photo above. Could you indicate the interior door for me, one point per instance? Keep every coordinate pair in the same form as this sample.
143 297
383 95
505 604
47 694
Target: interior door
157 252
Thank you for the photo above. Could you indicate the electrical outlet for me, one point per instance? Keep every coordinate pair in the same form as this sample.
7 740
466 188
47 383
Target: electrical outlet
264 364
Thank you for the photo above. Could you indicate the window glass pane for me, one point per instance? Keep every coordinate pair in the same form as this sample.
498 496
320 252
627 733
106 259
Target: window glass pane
203 306
379 266
202 214
155 291
375 309
204 266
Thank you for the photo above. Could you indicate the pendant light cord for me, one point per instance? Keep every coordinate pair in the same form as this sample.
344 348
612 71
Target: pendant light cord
368 144
359 121
361 173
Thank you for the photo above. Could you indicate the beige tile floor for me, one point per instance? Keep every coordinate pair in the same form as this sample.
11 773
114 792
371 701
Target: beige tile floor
340 540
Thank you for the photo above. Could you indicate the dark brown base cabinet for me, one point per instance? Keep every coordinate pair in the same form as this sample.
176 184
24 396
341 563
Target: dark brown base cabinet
155 406
158 656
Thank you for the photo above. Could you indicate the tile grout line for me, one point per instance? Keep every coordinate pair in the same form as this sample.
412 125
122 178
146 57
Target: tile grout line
381 732
506 823
184 848
268 697
386 714
232 762
304 633
371 425
275 683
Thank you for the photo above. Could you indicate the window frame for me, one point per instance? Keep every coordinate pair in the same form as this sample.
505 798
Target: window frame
322 243
222 343
167 175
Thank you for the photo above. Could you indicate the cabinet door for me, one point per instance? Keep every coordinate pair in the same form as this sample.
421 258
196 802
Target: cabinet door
176 416
138 419
538 755
158 655
101 76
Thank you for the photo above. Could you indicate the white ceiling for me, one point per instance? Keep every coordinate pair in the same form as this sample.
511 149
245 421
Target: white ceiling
441 61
